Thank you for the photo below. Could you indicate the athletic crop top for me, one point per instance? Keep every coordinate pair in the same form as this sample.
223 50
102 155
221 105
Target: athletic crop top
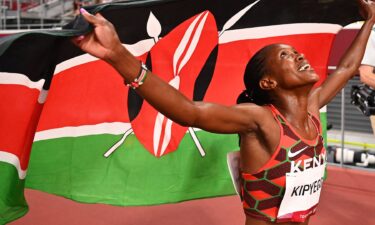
287 188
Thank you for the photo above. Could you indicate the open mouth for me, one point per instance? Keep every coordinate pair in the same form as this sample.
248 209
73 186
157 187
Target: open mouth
305 67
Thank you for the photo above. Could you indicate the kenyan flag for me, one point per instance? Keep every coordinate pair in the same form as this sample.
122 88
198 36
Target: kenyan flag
98 141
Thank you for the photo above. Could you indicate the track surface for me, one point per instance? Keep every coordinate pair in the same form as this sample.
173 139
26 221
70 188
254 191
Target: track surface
348 198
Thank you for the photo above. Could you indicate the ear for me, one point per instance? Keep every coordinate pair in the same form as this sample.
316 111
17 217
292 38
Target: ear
267 83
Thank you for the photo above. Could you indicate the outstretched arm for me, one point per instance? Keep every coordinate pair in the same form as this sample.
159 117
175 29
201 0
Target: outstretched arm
349 63
104 43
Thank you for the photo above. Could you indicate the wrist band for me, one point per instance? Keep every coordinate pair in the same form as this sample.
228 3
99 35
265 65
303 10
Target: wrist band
138 81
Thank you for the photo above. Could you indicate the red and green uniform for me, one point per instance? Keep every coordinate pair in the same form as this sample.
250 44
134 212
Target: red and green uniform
287 187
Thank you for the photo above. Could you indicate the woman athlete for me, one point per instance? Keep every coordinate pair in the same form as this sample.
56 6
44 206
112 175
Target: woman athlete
282 156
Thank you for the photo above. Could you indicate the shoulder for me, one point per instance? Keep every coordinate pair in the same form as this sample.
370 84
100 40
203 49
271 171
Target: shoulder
253 108
259 115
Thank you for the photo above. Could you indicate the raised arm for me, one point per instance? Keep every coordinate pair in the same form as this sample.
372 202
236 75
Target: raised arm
349 63
104 43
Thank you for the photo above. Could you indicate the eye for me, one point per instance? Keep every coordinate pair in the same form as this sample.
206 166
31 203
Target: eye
283 54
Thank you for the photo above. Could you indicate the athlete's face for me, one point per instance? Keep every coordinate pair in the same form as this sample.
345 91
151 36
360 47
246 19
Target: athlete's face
289 68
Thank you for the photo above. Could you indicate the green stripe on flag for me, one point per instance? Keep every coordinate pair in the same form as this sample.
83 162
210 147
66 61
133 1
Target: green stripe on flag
323 122
76 168
12 200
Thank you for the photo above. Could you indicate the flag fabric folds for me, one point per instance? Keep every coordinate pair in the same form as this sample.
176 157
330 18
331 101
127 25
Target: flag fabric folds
95 140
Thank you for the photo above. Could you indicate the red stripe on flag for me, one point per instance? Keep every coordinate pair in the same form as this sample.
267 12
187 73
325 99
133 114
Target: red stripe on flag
86 94
227 82
20 112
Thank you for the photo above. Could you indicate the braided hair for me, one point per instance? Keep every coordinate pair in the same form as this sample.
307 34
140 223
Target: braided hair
255 70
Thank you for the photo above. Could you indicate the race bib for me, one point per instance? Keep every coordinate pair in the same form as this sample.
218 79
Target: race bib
302 194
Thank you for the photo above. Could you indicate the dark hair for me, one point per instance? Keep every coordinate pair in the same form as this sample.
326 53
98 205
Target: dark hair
255 70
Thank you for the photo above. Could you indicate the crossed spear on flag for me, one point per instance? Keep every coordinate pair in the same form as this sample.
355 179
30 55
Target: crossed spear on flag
179 61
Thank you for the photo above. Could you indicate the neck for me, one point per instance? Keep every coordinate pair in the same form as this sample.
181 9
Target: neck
294 107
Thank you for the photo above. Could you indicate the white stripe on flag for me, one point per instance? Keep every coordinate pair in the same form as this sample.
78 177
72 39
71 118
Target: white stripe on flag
332 67
115 128
78 60
20 79
13 160
144 46
136 49
323 109
42 96
278 30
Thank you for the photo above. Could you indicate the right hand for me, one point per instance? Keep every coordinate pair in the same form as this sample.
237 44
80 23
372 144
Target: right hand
103 42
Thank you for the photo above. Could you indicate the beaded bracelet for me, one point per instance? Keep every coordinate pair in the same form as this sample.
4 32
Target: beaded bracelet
138 81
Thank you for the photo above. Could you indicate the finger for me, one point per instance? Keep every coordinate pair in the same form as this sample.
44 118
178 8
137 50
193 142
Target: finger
90 18
367 2
362 4
100 16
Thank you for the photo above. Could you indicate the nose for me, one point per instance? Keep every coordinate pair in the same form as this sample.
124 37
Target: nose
300 57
